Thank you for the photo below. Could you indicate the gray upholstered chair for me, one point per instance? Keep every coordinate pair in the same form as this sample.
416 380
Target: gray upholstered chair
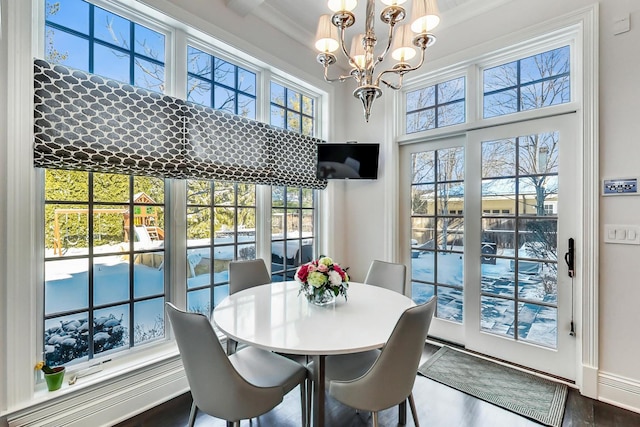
244 275
387 275
244 385
387 380
247 274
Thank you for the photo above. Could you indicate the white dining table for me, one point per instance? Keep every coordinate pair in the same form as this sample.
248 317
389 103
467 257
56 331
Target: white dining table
276 317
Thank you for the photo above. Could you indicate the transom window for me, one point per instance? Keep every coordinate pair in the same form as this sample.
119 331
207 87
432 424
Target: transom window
291 110
219 84
534 82
83 36
104 269
436 106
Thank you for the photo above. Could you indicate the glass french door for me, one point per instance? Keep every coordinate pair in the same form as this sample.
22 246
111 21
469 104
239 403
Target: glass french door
487 218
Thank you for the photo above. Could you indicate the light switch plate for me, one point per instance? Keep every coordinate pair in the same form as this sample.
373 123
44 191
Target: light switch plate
622 234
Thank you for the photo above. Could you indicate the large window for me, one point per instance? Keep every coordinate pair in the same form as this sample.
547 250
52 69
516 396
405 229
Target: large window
104 285
108 252
436 106
219 84
221 227
529 83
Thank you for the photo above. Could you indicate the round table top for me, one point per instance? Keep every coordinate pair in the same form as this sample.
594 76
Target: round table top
276 317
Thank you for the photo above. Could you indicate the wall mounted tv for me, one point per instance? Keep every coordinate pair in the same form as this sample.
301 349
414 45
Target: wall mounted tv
349 160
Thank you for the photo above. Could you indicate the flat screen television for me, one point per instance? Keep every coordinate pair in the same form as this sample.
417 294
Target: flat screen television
351 160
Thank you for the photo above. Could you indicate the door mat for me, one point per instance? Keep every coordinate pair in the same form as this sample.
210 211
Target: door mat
525 394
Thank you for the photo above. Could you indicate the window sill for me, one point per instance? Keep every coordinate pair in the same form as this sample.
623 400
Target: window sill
121 379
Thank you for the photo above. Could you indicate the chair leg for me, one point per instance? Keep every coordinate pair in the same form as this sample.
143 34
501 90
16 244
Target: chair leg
402 413
232 346
303 403
192 414
414 413
374 415
309 400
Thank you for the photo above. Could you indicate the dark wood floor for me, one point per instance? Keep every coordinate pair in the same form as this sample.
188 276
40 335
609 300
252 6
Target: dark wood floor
437 404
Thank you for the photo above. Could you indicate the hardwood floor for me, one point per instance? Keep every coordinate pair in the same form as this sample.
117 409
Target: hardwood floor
438 406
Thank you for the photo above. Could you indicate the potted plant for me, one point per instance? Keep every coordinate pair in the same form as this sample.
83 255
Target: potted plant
53 376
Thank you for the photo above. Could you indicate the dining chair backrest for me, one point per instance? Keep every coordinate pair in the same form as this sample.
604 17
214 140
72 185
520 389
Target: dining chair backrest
388 275
390 379
247 274
216 387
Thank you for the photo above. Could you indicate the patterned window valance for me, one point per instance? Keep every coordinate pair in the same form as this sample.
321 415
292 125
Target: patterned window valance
87 122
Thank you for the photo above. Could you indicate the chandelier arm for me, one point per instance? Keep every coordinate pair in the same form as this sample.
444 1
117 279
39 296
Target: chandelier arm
401 68
335 79
343 46
381 57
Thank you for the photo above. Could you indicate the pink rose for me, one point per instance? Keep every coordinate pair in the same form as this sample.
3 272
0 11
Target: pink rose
323 268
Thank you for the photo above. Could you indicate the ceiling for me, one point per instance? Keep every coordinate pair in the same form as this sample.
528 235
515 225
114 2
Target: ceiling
299 18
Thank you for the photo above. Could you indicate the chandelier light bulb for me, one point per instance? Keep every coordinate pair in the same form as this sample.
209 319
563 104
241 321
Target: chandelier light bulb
357 50
393 2
342 5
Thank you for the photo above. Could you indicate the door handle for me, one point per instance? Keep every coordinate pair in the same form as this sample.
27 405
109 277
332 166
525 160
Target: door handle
569 258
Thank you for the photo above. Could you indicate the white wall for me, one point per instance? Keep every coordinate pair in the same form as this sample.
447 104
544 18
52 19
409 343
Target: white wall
619 291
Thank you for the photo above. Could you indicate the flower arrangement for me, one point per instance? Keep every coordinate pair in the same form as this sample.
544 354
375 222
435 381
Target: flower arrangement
322 280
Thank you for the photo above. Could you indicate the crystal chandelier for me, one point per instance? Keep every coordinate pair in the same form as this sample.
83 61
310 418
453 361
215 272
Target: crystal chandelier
362 58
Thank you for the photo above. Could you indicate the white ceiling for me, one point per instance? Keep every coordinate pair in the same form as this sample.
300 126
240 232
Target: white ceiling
299 18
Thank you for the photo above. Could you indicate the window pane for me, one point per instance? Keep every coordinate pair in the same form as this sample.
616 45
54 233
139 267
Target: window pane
423 167
538 153
449 304
277 117
307 106
277 94
148 274
149 43
246 81
498 194
422 120
451 90
499 158
199 301
224 193
546 93
451 164
110 187
246 106
450 268
73 14
63 185
198 192
421 292
66 49
307 198
224 99
111 328
111 28
497 316
224 73
110 231
199 62
451 114
66 339
149 320
546 64
66 285
538 324
500 103
199 91
501 77
423 199
493 279
293 122
293 101
111 63
421 98
307 126
198 267
148 75
111 280
148 189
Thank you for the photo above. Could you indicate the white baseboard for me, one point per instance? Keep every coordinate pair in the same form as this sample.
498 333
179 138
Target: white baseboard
110 402
619 391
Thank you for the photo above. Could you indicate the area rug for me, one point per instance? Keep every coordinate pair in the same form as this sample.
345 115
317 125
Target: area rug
525 394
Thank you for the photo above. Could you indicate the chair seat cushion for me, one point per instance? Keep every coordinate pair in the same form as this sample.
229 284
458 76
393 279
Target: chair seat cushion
266 369
345 367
